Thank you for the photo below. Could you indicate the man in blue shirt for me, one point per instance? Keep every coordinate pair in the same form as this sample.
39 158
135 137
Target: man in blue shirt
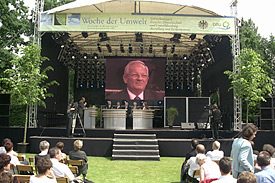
267 175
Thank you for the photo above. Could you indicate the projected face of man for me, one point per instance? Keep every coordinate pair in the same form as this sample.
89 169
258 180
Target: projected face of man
136 77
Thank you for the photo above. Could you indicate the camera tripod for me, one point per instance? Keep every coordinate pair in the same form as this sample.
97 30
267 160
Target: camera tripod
77 116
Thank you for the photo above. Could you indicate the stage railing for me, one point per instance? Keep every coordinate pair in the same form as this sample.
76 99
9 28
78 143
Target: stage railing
143 119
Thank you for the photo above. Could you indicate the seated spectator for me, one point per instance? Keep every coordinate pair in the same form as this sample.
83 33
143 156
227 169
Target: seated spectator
216 154
44 148
59 169
192 153
60 145
14 160
270 149
225 165
267 175
5 177
43 166
77 154
208 168
192 165
3 150
246 177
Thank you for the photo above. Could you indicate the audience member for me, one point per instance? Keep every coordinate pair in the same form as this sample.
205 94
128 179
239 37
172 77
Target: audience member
216 154
5 177
9 148
246 177
192 153
267 175
43 166
77 154
208 168
225 165
60 145
59 169
44 148
270 149
241 152
3 150
192 165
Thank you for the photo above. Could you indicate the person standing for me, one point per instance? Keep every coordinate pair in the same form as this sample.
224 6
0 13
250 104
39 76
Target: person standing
129 121
70 113
215 116
118 106
242 152
109 105
81 106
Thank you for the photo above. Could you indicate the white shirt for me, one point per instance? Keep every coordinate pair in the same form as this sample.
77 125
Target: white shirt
61 170
2 150
211 170
225 179
14 160
34 179
192 166
133 96
215 155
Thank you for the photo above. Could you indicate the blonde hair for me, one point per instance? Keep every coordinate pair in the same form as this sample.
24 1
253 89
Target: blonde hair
78 144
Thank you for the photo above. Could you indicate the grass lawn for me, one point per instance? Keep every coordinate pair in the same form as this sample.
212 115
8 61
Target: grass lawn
103 170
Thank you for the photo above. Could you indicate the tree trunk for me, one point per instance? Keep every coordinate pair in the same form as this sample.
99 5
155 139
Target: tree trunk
247 109
26 125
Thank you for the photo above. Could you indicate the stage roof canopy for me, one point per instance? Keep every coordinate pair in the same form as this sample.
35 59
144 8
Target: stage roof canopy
89 38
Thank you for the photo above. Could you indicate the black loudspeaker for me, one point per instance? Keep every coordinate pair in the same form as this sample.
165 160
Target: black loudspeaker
267 117
4 109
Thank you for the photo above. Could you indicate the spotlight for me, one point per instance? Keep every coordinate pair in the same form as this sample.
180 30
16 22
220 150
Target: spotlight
102 86
176 38
150 48
130 48
141 48
103 37
99 48
173 48
192 36
159 102
85 34
139 37
167 87
95 56
85 55
109 48
92 86
164 48
122 48
188 87
81 85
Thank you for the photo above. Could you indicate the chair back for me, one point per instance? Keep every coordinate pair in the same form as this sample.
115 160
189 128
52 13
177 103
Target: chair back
12 167
196 173
21 158
74 169
75 162
208 180
217 161
25 168
31 160
23 178
62 180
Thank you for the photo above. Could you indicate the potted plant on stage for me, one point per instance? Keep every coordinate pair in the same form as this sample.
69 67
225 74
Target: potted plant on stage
25 81
172 113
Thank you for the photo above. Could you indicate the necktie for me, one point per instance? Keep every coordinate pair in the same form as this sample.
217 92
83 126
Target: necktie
137 98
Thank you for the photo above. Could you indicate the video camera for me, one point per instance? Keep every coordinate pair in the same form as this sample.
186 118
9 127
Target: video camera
74 107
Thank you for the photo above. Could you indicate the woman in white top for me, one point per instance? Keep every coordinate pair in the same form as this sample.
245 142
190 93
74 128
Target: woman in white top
208 168
44 170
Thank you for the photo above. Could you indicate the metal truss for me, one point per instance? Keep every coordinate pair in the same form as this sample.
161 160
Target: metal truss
235 53
39 5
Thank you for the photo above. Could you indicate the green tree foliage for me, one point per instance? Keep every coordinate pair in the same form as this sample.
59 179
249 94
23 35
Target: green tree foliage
14 23
251 83
50 4
25 81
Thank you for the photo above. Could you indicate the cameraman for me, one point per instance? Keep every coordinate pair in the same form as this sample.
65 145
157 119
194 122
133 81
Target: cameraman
215 115
70 113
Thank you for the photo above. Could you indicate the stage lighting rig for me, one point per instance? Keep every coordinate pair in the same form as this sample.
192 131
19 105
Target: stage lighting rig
103 37
109 48
173 49
99 48
130 48
85 34
164 48
139 37
192 37
151 48
141 46
122 48
176 38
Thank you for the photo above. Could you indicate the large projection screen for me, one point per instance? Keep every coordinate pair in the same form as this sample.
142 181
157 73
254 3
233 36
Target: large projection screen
118 83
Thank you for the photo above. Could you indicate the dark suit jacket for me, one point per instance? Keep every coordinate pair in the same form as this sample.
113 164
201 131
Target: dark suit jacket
107 107
148 95
80 155
129 111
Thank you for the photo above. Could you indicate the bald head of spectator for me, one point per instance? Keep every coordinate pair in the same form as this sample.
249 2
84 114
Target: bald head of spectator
247 177
200 149
216 145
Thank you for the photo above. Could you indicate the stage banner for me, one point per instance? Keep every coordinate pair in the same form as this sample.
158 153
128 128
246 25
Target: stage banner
126 22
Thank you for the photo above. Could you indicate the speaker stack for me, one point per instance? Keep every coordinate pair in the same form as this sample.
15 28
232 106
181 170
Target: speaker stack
4 109
267 118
